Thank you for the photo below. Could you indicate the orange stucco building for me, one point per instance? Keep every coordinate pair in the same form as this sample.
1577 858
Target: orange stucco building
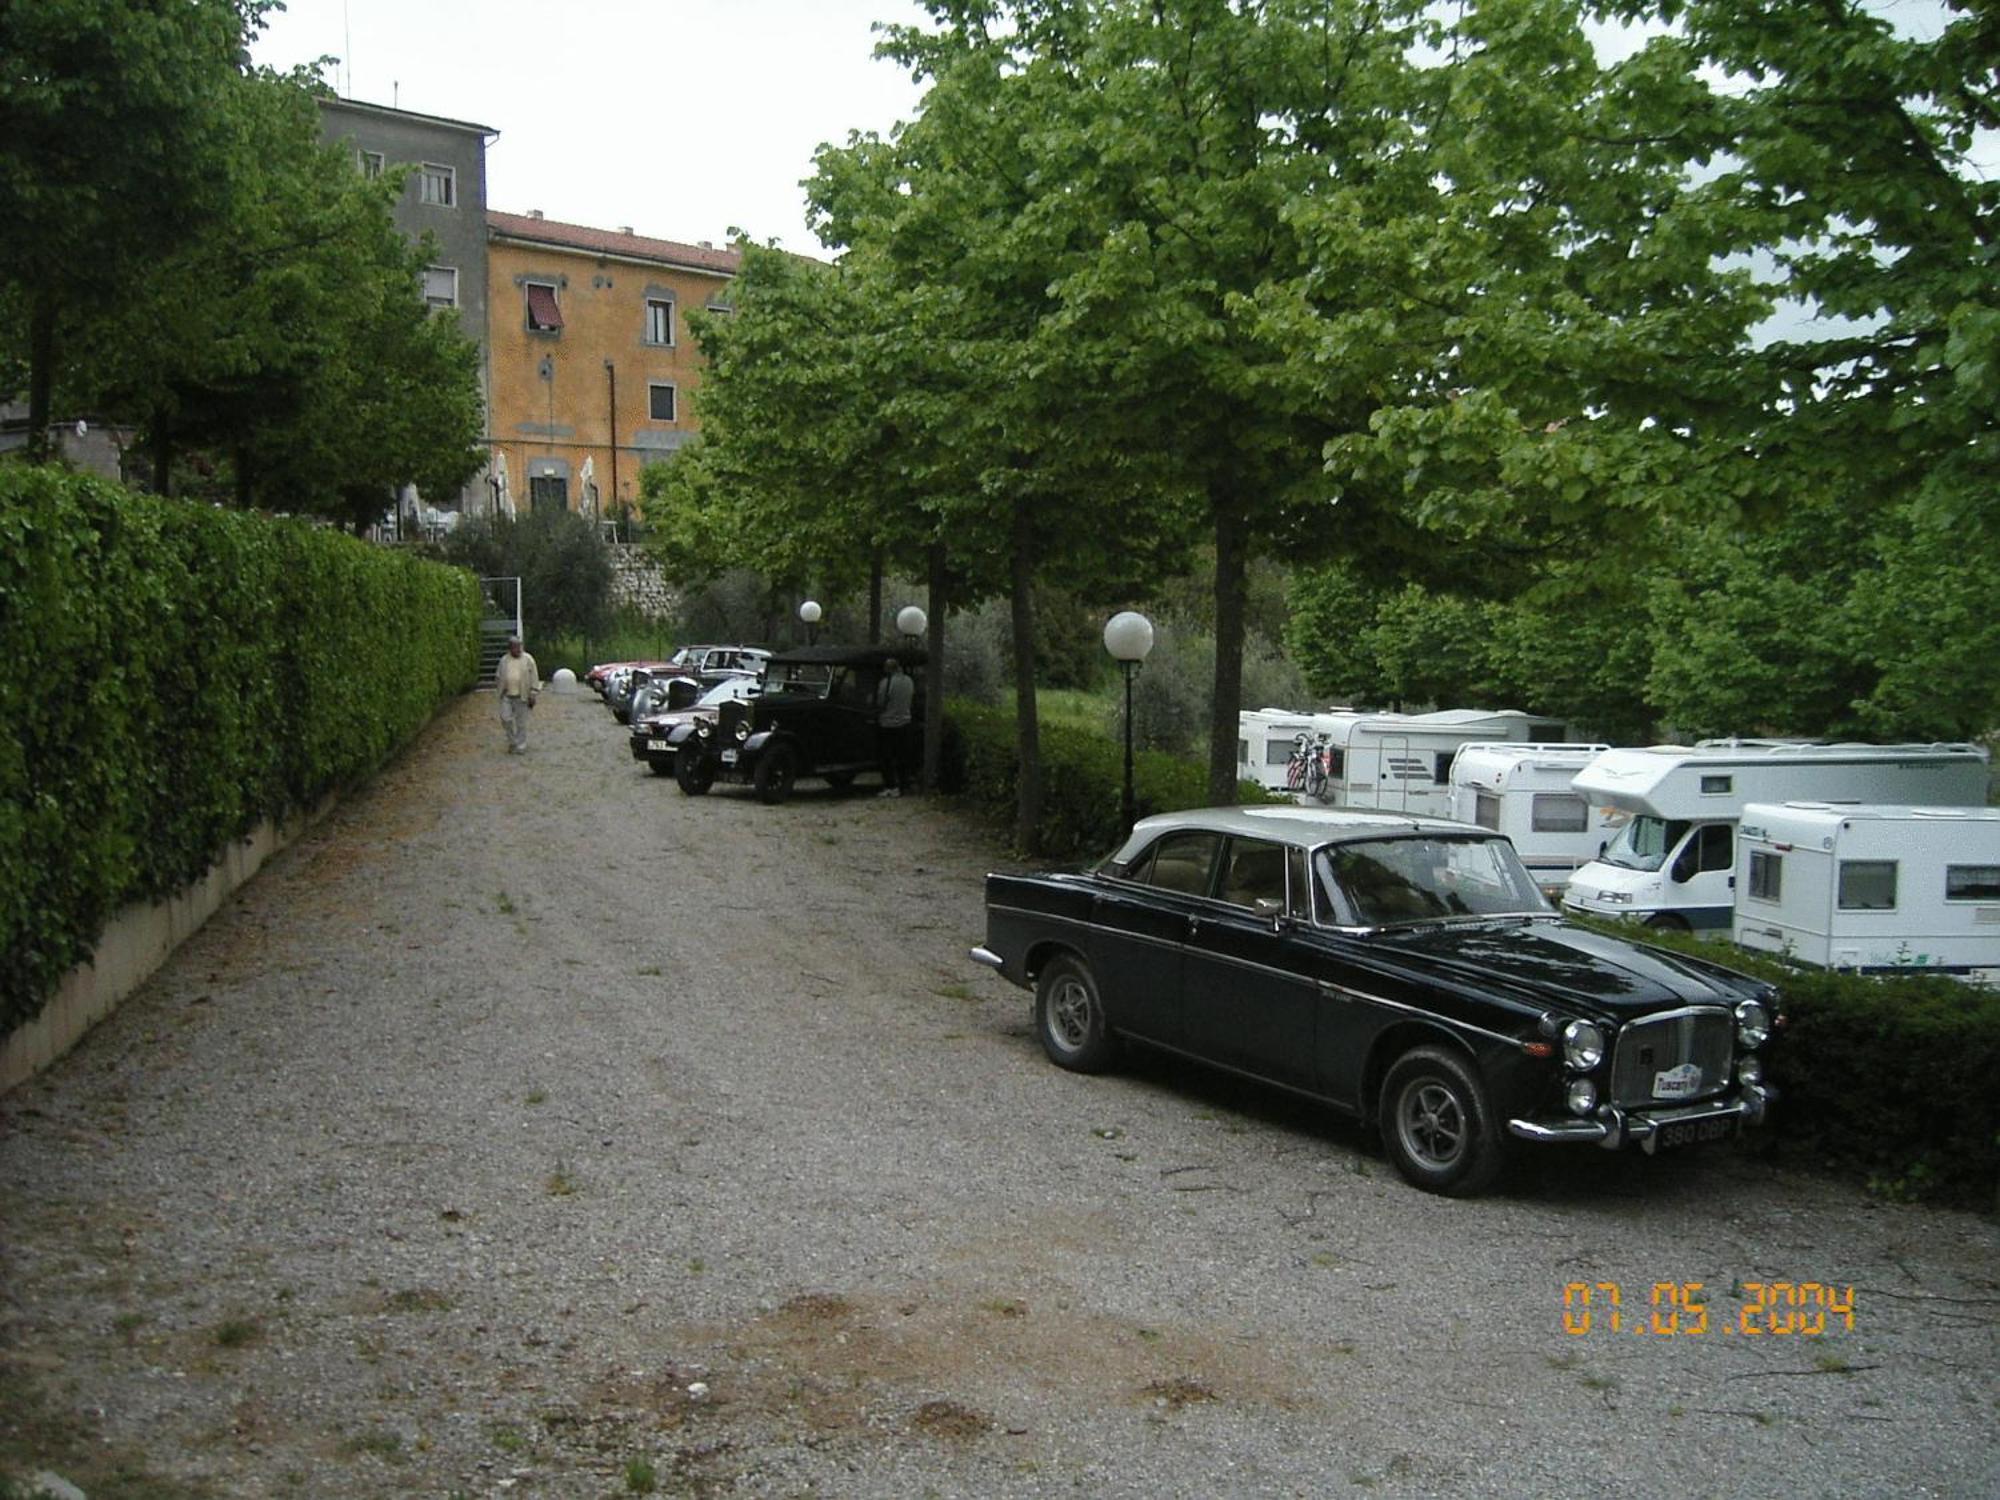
590 358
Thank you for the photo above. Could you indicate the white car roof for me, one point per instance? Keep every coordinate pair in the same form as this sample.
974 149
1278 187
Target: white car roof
1289 823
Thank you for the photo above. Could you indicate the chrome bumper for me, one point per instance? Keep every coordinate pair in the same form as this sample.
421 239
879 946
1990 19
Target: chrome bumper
1614 1128
985 955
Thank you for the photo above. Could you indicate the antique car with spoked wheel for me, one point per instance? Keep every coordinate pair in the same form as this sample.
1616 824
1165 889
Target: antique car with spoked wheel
651 732
1404 970
813 717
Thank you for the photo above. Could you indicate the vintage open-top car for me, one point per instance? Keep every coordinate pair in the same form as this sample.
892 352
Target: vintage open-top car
651 731
1404 970
813 716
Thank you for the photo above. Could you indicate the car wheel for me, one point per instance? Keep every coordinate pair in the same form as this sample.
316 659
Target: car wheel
1436 1125
1666 921
694 774
775 775
1069 1017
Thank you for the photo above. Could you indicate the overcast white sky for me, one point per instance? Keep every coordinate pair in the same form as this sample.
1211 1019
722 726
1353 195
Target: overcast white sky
682 118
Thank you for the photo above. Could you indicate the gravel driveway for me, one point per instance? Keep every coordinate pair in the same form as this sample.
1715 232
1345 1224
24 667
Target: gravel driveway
530 1128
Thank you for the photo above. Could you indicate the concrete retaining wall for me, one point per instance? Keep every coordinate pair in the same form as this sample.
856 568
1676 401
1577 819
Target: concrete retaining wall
638 584
135 943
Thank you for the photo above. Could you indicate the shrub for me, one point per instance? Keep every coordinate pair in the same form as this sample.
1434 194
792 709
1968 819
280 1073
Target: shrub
172 674
1888 1080
1083 779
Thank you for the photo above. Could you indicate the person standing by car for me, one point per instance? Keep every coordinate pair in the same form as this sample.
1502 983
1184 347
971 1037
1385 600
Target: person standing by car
894 699
519 686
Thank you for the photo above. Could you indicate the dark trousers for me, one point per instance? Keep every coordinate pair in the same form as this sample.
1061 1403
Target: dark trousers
895 747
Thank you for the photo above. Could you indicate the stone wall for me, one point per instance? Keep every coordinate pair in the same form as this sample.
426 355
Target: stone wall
638 584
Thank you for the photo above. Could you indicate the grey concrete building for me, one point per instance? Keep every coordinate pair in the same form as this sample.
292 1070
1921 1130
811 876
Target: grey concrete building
445 197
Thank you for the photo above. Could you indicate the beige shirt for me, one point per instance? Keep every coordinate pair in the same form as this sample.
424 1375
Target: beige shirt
517 677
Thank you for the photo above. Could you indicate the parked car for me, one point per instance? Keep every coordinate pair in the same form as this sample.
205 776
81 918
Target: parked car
650 732
815 717
1404 970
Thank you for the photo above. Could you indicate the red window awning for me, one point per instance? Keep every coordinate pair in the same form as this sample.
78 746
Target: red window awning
543 313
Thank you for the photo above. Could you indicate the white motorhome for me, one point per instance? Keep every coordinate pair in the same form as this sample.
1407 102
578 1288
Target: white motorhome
1401 762
1674 863
1264 741
1871 887
1527 793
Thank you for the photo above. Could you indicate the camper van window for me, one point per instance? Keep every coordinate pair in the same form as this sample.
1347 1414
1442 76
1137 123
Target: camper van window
1336 764
1486 810
1717 786
1766 876
1558 812
1644 843
1867 885
1441 766
1972 882
1277 752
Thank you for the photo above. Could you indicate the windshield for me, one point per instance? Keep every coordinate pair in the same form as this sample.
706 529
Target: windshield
1644 843
1377 882
798 677
723 692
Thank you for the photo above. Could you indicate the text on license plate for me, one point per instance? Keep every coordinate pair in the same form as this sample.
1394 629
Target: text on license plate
1692 1132
657 745
729 757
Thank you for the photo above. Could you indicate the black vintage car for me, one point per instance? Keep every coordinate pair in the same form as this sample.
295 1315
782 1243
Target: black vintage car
1404 970
813 717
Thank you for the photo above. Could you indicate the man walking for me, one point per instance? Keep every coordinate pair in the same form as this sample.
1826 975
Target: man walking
519 685
895 696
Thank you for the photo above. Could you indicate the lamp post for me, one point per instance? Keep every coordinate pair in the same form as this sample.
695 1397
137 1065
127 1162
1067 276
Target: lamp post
810 613
1128 636
912 622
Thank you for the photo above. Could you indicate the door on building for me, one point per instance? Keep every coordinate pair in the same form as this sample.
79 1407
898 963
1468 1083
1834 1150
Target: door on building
548 492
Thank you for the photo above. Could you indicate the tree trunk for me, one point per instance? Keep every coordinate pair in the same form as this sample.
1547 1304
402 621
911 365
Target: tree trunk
41 373
1027 736
875 597
939 598
162 446
1231 558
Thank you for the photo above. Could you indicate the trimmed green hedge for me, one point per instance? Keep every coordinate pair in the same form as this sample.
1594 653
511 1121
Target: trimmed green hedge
1891 1080
171 675
1083 779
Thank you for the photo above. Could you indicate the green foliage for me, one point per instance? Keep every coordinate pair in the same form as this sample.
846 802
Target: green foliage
173 674
562 562
1083 780
1888 1080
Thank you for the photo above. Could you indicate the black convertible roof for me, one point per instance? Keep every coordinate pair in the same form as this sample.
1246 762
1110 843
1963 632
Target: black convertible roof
848 656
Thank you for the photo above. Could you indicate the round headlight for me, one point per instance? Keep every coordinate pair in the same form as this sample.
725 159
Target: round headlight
743 730
1749 1071
1583 1045
1753 1025
702 729
1582 1096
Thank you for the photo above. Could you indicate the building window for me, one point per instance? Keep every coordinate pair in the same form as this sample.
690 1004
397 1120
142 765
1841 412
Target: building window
548 492
720 303
659 320
1972 882
660 401
372 164
441 286
544 316
1767 875
1867 885
437 185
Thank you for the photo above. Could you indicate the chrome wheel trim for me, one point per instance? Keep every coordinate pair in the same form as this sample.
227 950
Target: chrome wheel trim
1432 1124
1069 1012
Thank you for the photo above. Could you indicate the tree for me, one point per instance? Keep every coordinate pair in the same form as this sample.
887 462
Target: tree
110 153
561 560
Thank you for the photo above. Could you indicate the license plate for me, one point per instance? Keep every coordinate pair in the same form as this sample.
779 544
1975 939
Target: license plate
729 757
657 745
1693 1132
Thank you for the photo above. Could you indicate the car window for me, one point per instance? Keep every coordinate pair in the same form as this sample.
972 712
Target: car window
1382 881
1179 862
1254 875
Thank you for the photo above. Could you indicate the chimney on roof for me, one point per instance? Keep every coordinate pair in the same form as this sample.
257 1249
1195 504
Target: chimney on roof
534 213
624 228
707 244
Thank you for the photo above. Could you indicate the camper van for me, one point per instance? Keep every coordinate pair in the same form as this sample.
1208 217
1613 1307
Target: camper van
1401 762
1673 864
1526 792
1265 738
1875 888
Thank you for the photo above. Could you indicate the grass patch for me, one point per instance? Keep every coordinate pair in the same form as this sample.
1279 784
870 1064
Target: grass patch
538 1096
508 1439
504 903
420 1299
640 1477
376 1442
953 992
237 1333
561 1184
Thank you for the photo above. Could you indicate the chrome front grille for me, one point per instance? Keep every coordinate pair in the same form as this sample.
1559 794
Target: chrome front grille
1647 1048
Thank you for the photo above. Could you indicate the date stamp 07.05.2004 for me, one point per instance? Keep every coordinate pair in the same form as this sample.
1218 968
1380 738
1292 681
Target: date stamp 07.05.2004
1687 1309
